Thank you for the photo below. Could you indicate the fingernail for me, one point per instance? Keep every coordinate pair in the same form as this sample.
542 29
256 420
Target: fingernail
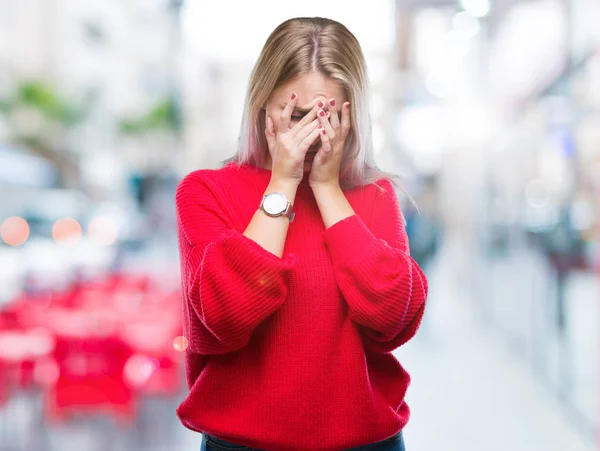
293 95
324 131
320 104
332 102
321 113
320 126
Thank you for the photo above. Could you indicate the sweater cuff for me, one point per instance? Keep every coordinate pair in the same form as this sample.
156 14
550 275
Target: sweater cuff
245 258
249 251
349 239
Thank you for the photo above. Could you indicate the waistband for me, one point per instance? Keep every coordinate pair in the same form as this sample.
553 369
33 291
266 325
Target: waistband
215 442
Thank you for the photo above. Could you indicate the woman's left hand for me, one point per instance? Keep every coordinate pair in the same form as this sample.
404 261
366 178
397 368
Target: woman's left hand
326 164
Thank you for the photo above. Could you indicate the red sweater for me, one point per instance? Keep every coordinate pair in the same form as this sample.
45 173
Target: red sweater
294 353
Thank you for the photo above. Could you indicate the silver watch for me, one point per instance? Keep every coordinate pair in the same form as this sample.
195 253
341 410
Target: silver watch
276 204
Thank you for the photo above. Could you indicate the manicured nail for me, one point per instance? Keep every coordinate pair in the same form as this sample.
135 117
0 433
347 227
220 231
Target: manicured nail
293 95
332 102
320 104
321 113
320 126
324 131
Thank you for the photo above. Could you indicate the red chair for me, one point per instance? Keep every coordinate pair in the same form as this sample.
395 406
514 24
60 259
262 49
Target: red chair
91 359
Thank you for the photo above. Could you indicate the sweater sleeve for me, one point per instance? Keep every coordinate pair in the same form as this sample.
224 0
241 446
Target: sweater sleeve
230 283
384 287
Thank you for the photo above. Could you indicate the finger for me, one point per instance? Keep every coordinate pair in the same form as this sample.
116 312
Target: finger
326 124
286 114
309 117
345 129
307 142
334 119
325 142
270 133
306 130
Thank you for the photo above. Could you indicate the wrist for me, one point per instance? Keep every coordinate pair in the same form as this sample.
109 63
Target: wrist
287 187
283 183
325 186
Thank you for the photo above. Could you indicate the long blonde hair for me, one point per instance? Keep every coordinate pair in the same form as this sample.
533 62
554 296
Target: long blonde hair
297 47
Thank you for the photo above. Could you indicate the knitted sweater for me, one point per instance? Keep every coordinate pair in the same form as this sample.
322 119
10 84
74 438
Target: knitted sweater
294 353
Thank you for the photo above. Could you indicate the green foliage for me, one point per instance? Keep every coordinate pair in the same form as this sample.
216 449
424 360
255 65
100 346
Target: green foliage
41 96
44 98
164 115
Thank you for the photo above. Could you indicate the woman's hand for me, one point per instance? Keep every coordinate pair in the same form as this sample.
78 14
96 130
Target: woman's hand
288 146
325 168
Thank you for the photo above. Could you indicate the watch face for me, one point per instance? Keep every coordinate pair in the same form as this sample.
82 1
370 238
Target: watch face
275 203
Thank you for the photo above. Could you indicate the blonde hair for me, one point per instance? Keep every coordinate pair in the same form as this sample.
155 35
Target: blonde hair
297 47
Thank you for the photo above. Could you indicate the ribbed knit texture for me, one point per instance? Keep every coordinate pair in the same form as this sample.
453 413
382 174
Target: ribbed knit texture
294 353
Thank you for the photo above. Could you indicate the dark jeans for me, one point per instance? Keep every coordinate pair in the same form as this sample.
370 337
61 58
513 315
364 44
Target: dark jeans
394 443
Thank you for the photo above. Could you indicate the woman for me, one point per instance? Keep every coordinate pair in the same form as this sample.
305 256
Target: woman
297 279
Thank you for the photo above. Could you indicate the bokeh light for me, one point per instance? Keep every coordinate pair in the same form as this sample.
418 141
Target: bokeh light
14 231
138 369
103 231
180 343
66 231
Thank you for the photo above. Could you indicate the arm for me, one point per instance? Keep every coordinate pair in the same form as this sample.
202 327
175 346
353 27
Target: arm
230 281
384 287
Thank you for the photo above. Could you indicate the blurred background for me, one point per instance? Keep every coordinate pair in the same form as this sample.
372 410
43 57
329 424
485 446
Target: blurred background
489 109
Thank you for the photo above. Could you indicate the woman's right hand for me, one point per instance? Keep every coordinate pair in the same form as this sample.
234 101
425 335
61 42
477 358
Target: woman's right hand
288 146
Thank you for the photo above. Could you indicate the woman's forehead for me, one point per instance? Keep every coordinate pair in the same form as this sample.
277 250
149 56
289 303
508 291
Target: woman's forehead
310 89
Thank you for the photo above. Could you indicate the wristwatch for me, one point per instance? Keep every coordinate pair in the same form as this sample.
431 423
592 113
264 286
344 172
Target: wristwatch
276 204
